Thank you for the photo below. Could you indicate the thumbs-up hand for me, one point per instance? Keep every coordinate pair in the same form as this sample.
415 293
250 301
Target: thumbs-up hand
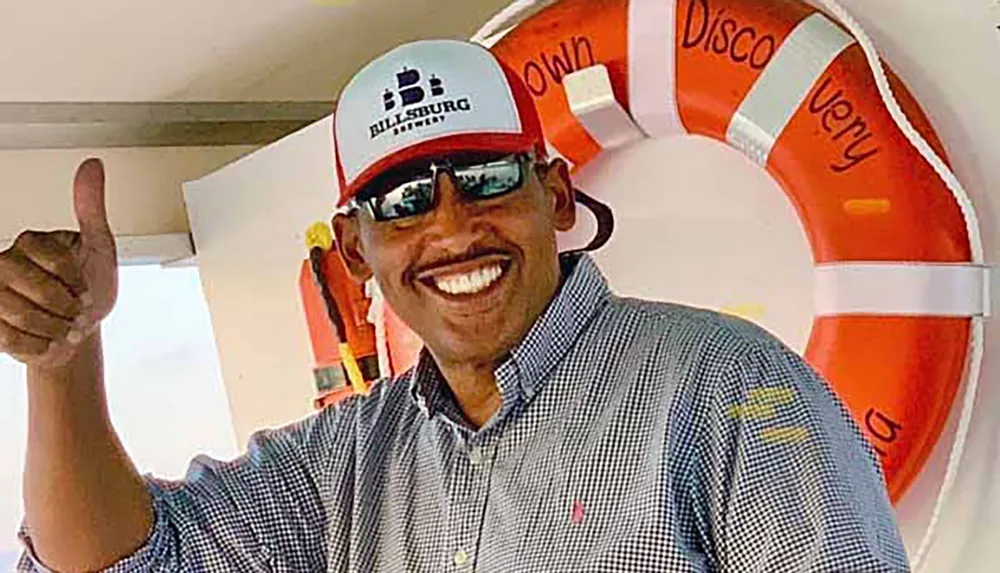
56 287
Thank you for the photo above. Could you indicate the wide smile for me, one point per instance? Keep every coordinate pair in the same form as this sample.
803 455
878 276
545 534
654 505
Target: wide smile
468 281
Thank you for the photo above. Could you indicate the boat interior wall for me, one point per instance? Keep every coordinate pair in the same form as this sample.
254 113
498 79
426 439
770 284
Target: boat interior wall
249 221
144 190
698 222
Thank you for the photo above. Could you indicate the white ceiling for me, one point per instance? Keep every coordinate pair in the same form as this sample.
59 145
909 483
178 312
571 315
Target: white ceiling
219 50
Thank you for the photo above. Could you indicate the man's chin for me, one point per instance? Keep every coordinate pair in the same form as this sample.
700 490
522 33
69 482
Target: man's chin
479 347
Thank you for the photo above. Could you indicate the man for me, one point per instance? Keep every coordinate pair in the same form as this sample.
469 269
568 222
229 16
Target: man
548 426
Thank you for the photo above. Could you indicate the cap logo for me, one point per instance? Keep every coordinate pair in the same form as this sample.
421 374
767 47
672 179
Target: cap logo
403 112
409 89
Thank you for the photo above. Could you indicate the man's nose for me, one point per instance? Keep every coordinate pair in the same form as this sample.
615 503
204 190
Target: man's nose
451 215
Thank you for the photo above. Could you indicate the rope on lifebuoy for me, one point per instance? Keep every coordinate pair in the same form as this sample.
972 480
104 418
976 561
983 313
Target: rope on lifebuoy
978 334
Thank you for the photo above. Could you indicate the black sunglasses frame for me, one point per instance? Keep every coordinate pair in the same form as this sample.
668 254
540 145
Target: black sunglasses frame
602 212
363 201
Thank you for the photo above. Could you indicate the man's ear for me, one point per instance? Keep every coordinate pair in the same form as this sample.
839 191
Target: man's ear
347 230
555 179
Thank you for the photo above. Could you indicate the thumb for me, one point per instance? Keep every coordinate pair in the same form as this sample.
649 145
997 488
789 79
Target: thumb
88 202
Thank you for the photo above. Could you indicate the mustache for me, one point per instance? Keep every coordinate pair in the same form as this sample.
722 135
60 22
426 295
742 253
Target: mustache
470 254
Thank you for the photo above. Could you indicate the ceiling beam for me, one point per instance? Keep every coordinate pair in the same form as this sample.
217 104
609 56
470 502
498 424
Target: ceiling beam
57 125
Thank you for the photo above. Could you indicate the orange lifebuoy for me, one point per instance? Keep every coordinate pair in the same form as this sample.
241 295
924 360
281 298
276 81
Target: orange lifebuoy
789 87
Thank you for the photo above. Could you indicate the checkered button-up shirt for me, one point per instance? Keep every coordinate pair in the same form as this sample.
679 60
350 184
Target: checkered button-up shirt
634 436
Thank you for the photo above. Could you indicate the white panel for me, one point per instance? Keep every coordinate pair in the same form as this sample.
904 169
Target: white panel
592 101
784 84
248 221
901 289
492 40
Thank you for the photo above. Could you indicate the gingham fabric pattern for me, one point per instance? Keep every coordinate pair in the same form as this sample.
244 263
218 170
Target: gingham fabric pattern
634 437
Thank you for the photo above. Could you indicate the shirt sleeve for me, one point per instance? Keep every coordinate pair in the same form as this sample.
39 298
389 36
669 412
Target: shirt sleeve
785 480
260 512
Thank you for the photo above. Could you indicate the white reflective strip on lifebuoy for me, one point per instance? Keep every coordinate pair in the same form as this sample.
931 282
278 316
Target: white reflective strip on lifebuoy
592 102
784 84
902 289
492 40
651 67
553 153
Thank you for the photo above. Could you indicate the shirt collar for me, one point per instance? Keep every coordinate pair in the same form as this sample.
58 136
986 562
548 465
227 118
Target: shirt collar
583 292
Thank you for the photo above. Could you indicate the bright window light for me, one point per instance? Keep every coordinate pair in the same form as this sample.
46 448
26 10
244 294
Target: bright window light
164 388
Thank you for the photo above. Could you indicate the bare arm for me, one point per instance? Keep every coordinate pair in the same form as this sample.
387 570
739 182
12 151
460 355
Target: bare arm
86 507
78 478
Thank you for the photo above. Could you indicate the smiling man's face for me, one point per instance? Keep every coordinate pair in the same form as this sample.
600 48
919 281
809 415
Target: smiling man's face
469 277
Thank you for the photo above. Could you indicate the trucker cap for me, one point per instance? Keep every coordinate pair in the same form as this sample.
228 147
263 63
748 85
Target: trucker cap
426 99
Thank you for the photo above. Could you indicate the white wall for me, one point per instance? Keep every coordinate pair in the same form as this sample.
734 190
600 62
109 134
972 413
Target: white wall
698 222
249 221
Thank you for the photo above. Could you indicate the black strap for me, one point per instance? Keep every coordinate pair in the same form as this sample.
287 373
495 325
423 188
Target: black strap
605 221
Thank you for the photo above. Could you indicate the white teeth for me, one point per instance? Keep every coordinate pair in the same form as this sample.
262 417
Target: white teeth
469 283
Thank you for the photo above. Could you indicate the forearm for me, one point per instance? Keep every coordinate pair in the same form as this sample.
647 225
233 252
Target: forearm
86 505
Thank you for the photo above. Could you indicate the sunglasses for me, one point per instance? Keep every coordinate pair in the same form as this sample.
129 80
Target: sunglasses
412 191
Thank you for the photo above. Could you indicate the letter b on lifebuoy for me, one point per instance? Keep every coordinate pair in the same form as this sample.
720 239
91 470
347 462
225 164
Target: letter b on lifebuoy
881 427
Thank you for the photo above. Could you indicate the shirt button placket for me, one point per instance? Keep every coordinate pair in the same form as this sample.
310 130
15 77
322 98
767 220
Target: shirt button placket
465 519
460 559
476 456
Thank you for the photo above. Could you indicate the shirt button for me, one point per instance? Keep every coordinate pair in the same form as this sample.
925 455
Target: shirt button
460 558
476 456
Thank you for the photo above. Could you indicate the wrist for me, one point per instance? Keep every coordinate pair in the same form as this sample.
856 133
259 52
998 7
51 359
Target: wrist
78 367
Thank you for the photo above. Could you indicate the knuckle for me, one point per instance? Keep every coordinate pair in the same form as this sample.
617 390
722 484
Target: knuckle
17 319
7 339
43 248
29 346
14 267
15 343
26 235
28 240
37 321
8 264
49 299
9 307
16 316
67 267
